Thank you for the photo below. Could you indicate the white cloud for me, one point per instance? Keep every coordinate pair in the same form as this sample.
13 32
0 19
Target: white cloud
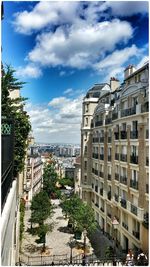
125 8
60 126
143 61
118 57
72 48
29 71
114 64
45 13
68 91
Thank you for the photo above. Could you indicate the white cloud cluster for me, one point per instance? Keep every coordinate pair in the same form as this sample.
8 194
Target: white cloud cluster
71 34
45 13
74 48
125 8
61 118
29 71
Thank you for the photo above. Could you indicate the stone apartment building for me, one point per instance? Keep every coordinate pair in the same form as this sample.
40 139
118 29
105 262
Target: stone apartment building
115 156
33 181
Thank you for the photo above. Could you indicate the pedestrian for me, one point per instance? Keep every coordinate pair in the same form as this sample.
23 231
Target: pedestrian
142 259
129 258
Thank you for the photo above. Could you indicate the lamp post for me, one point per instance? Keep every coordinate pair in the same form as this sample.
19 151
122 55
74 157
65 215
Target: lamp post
84 247
71 247
115 224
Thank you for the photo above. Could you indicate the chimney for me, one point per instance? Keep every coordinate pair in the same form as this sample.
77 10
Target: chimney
114 83
128 71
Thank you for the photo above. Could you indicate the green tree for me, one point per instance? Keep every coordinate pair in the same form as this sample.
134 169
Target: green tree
13 108
50 179
41 209
79 213
66 181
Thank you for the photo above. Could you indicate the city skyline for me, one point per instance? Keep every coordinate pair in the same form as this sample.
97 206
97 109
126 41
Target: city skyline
60 63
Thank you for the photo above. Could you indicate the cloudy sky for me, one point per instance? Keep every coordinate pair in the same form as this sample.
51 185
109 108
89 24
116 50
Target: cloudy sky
62 48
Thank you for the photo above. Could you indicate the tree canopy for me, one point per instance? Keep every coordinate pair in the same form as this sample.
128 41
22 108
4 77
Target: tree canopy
79 213
13 108
50 178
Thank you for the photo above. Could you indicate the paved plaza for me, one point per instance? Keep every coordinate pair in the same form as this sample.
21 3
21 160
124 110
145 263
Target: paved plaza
57 241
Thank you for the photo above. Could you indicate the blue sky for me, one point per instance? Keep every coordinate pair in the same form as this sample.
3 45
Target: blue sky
62 48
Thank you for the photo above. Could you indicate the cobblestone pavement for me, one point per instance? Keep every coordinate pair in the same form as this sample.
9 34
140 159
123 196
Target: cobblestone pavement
57 241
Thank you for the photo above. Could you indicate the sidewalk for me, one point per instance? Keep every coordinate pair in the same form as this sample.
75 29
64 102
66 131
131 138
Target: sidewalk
57 241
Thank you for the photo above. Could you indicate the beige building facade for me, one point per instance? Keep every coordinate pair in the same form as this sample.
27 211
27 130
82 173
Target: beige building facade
115 157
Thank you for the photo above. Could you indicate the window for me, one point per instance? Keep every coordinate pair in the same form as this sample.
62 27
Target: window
85 165
134 125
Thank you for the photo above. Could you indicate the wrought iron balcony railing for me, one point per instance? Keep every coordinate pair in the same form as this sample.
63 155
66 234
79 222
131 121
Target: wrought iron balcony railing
109 176
109 157
128 111
133 209
117 156
123 135
109 139
116 135
98 123
134 135
108 121
123 203
134 159
134 184
125 225
136 234
102 139
123 180
102 156
123 157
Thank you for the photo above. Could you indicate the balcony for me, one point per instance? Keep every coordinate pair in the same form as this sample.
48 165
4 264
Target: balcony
146 220
101 191
109 215
128 112
101 156
123 180
116 197
123 203
134 135
147 134
102 209
134 184
101 174
136 234
133 209
109 195
145 107
116 135
95 140
117 176
109 157
114 115
123 135
96 188
108 121
97 205
125 225
98 123
109 139
116 156
109 176
94 171
134 159
102 139
147 161
95 156
147 188
123 157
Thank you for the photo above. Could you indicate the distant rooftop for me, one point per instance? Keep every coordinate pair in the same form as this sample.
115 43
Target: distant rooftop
95 90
